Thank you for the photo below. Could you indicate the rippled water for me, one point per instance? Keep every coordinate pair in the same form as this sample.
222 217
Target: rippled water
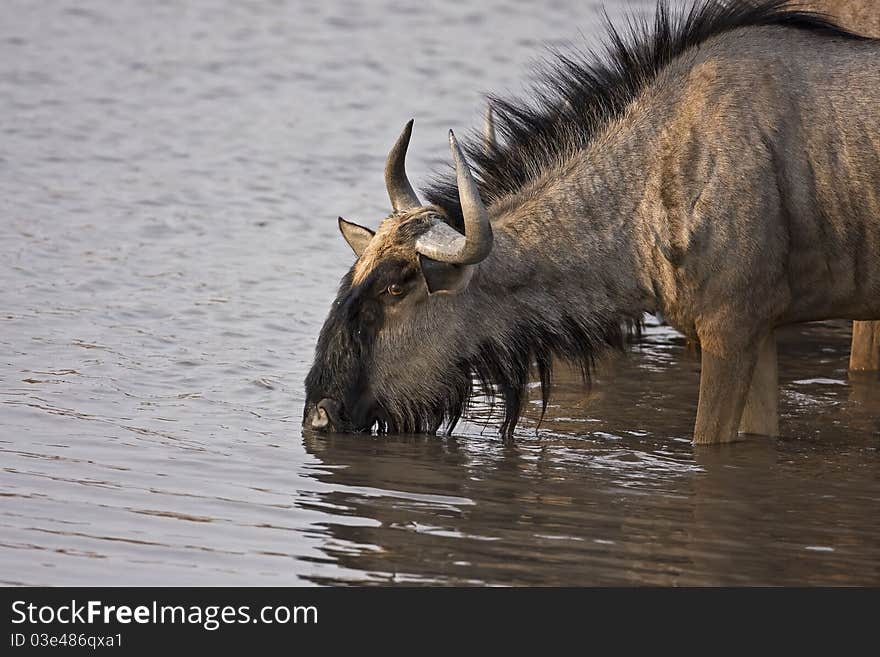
170 175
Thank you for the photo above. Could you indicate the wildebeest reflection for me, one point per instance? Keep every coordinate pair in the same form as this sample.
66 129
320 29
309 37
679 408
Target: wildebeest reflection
721 166
412 509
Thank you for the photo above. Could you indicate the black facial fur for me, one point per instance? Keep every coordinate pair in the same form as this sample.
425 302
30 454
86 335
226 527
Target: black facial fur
344 353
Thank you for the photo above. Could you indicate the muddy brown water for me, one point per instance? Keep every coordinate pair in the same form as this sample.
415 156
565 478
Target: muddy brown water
170 175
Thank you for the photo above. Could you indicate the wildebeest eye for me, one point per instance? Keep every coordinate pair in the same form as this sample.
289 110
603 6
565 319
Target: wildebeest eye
395 290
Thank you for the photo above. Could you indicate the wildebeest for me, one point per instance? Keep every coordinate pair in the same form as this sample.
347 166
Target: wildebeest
721 166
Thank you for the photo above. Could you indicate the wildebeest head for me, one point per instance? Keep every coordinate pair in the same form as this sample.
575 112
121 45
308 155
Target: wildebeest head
388 354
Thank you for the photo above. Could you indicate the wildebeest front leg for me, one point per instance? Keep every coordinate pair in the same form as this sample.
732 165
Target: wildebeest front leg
725 377
760 415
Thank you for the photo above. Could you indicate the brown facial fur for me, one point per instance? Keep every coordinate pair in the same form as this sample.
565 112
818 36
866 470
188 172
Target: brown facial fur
395 238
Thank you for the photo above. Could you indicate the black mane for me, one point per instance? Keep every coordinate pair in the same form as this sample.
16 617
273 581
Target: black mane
580 94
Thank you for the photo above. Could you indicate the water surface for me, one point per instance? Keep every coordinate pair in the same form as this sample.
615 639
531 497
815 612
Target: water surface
170 176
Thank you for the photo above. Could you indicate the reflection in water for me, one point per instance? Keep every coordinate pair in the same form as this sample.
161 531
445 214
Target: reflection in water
171 175
452 511
598 504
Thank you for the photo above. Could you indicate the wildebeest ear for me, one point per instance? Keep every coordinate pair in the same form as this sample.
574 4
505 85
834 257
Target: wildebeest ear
357 236
443 277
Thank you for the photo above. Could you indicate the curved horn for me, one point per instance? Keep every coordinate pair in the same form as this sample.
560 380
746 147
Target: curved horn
444 243
401 193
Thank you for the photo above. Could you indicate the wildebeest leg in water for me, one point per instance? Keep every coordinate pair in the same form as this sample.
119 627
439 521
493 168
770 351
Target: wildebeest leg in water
865 354
724 385
760 415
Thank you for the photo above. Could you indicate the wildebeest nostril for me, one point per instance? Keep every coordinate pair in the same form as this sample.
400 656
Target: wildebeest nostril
319 419
325 414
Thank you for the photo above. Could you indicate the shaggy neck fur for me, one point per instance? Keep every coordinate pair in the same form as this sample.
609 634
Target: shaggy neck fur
537 300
